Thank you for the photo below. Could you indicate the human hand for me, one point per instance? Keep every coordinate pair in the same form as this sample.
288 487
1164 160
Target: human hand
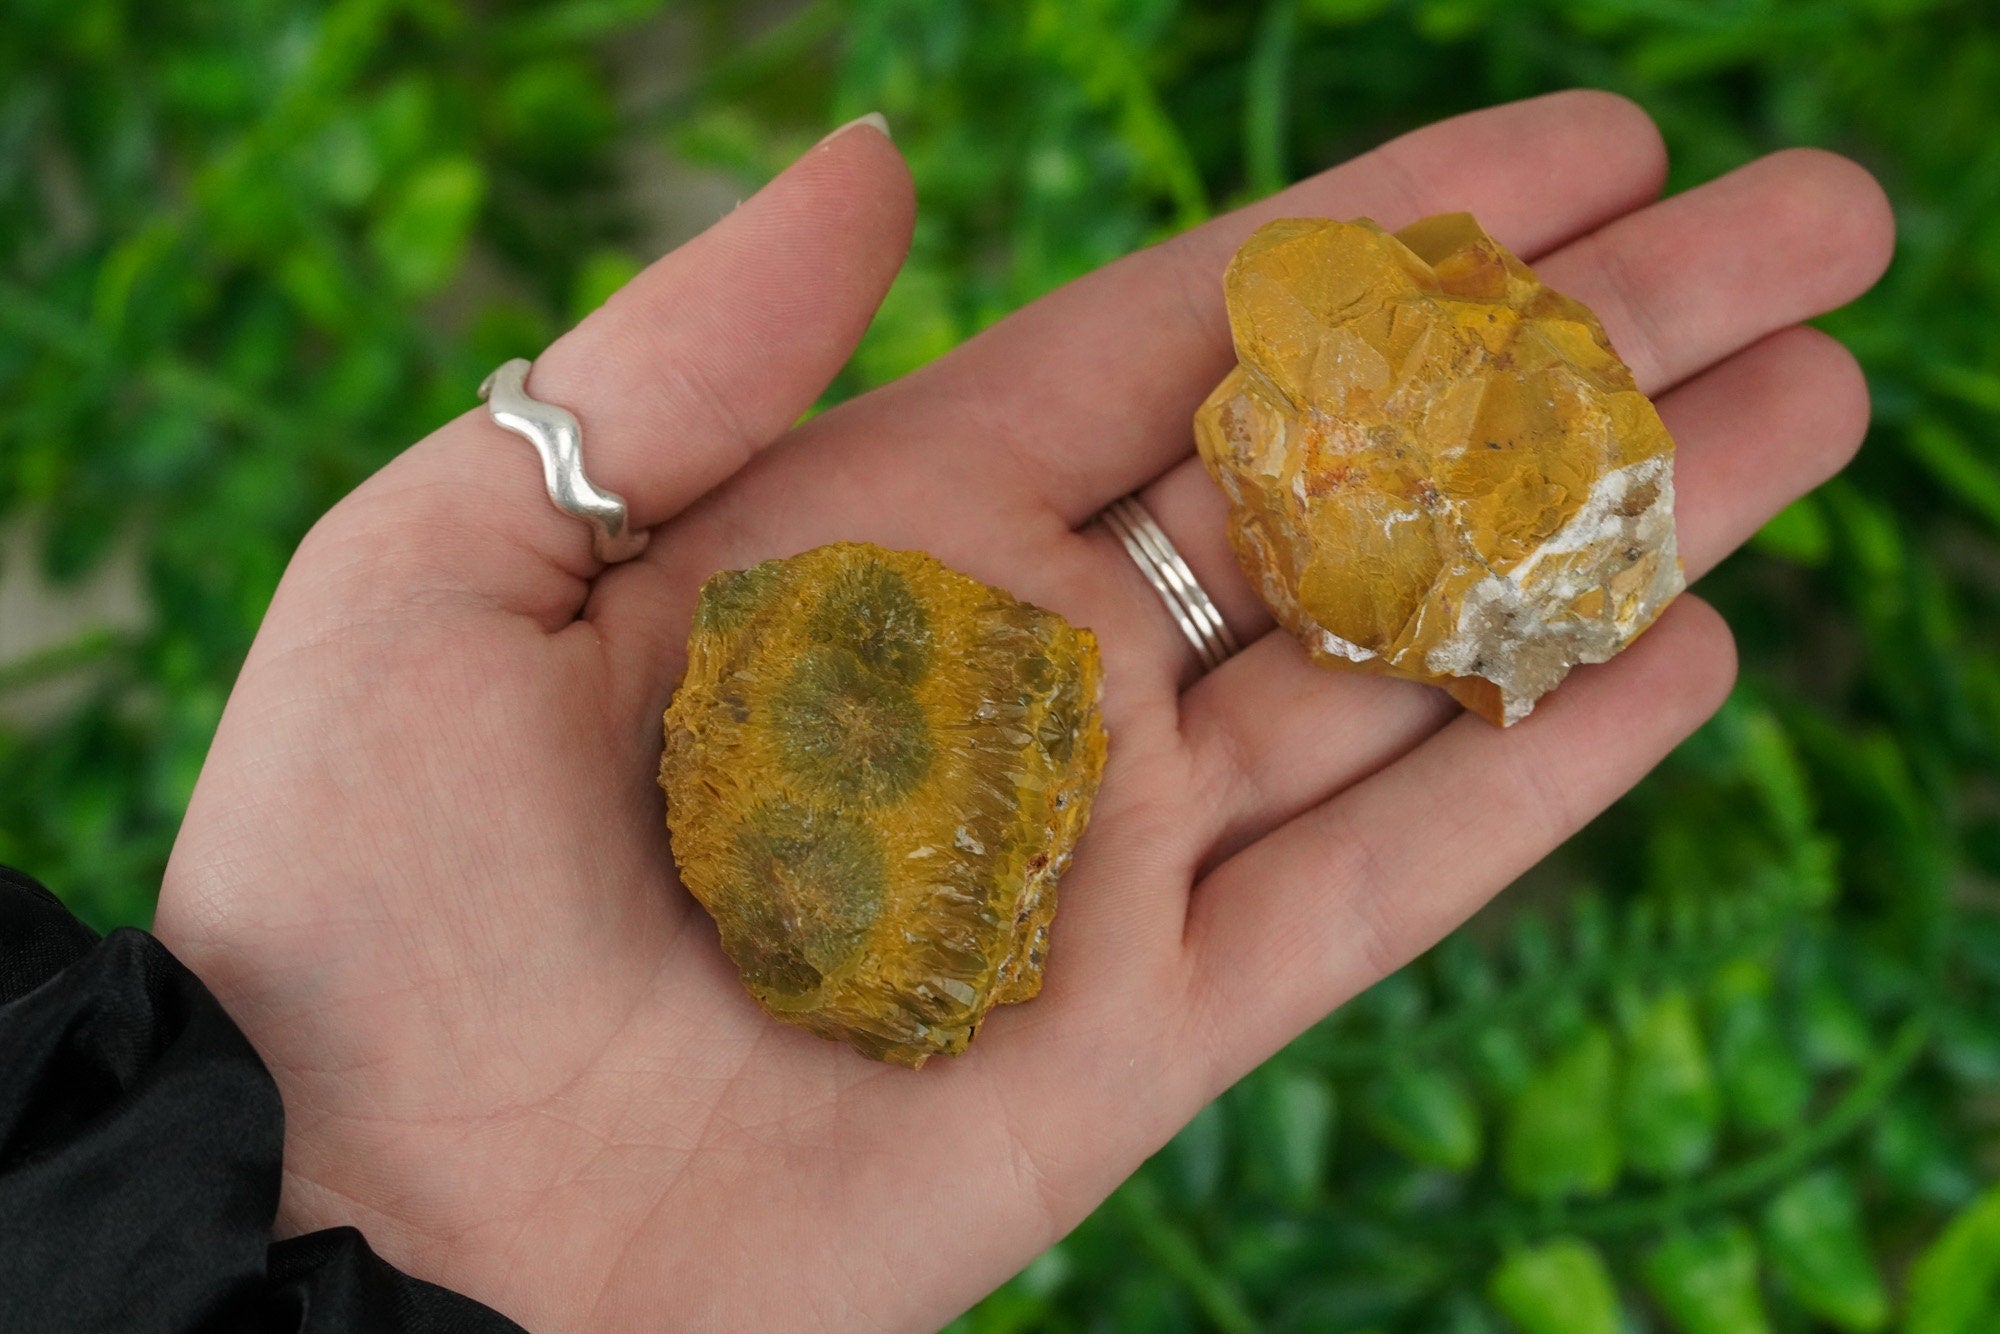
426 867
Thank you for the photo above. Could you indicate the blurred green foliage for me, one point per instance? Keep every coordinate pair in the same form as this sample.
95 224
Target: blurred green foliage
1728 1063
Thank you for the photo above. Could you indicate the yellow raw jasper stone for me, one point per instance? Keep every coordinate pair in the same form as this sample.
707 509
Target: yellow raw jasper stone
1437 468
876 769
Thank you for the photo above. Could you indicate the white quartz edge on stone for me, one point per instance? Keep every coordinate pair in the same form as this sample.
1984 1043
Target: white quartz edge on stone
1596 523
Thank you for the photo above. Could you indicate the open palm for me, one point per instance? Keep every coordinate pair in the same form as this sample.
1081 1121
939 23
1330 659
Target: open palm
426 867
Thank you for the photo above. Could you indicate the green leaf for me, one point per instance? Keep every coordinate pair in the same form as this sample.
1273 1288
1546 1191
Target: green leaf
915 325
1200 1153
1797 533
1590 928
1021 1304
1870 530
1772 765
1463 971
401 124
1979 388
603 273
1427 1114
555 112
1813 1237
125 272
1452 20
1501 1061
1969 1047
1668 1106
1397 1003
1706 1281
1113 74
1921 1150
509 329
1562 1287
1836 1033
1138 1205
1763 1083
1266 98
422 238
1561 1137
315 282
1957 466
1290 1127
539 27
1954 1284
1533 946
344 161
1347 11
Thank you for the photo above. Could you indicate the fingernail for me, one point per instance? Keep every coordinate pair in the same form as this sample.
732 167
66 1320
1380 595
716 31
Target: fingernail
874 118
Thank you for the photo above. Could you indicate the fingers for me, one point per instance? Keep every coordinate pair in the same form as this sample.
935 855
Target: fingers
1272 734
1684 283
1087 393
1336 899
697 363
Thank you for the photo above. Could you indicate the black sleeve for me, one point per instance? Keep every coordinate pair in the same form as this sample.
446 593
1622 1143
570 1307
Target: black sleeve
140 1139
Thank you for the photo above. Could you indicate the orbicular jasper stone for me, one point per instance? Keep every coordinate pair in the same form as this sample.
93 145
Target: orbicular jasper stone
876 769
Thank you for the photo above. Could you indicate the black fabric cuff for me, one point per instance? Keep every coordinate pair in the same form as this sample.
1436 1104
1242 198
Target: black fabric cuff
140 1145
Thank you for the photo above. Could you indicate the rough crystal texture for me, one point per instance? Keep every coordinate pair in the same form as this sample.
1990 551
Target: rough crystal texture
876 769
1437 467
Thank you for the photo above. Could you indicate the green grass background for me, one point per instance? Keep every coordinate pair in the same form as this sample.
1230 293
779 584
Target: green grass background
1731 1062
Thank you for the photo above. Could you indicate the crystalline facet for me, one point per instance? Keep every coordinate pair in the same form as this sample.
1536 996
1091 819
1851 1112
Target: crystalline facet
1437 468
876 769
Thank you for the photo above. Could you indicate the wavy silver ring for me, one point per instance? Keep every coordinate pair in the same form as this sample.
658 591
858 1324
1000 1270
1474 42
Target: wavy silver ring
1187 602
557 437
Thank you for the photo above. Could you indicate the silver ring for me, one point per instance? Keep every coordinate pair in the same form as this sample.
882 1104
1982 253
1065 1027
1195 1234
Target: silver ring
1189 604
557 437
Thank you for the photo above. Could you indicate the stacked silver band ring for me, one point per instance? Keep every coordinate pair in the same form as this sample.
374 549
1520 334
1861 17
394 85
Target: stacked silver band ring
1187 602
557 437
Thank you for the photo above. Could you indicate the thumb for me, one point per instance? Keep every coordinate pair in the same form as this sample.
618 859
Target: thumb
687 371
